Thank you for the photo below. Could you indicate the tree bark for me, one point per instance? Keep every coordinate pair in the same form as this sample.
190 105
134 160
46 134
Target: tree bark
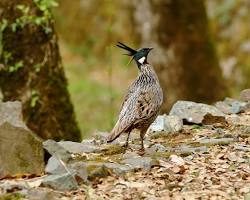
185 58
31 70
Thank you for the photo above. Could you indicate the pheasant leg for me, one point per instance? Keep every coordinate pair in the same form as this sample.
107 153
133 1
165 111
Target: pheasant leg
126 144
142 133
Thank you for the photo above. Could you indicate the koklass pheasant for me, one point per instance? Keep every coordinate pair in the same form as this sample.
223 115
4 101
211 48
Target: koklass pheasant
143 100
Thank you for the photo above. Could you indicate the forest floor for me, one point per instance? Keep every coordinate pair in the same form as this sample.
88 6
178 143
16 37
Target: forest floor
199 162
220 169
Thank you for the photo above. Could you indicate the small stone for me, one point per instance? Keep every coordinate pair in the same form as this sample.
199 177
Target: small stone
232 156
79 148
56 150
99 172
233 119
89 142
42 194
118 168
157 125
194 112
101 137
189 150
216 141
54 166
80 169
242 130
245 95
62 182
242 147
173 124
129 155
220 131
11 185
231 106
166 124
140 162
158 148
177 160
89 170
223 107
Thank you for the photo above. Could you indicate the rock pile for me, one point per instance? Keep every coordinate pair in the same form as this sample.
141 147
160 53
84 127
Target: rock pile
173 143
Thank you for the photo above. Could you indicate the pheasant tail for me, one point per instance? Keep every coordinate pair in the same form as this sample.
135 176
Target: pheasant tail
115 133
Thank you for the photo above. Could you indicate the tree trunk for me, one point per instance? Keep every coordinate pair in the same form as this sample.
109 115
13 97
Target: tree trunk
31 69
185 58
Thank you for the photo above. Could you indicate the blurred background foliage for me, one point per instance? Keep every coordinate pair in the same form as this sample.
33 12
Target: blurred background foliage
97 71
230 22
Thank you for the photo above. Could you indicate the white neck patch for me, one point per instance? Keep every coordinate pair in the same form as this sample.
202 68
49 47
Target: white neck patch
142 59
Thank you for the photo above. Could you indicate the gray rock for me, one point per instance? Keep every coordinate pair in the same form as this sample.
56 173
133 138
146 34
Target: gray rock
11 185
91 170
56 150
88 170
166 124
173 124
220 131
242 130
245 95
188 149
158 148
216 141
11 112
55 166
118 168
89 142
80 170
42 194
242 147
231 106
97 170
223 107
233 119
129 155
139 162
194 112
21 151
101 137
79 148
60 182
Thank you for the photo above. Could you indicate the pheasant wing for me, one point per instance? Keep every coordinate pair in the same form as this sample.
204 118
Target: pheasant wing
147 105
138 107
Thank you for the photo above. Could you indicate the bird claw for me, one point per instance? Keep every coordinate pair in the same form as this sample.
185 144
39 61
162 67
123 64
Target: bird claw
141 151
126 147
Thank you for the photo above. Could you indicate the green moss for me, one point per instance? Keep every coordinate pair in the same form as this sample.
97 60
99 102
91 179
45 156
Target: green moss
113 149
27 17
11 196
159 135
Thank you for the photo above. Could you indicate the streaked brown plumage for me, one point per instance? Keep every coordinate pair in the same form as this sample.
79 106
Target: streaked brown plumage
142 102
